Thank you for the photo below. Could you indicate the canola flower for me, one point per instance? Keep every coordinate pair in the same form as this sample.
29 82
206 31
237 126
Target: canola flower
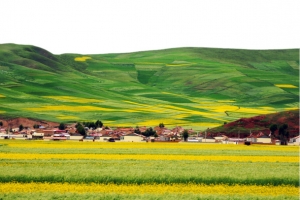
220 189
226 101
82 58
67 117
179 65
285 86
32 156
143 145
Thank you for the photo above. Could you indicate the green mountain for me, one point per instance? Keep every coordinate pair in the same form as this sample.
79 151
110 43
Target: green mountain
191 87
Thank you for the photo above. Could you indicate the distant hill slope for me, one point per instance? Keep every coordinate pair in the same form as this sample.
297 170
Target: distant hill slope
190 87
260 123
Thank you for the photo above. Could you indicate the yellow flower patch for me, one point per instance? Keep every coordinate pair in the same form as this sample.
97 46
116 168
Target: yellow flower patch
221 189
285 86
18 156
82 58
226 101
67 117
1 96
120 145
257 111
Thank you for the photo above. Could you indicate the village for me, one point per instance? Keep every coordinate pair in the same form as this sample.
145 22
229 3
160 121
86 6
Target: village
129 134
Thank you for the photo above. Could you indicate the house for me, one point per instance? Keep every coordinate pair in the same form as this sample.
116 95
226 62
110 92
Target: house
194 139
262 138
53 131
60 136
132 137
220 138
76 137
295 140
258 138
96 135
164 138
37 136
236 140
105 137
177 130
208 139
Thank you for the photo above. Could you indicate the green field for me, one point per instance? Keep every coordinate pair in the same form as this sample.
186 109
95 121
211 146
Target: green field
72 169
190 87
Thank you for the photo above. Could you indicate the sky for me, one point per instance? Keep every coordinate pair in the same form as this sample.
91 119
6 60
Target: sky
119 26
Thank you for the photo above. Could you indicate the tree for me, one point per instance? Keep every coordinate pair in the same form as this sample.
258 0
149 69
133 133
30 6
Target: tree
161 125
149 132
137 130
36 126
21 127
185 135
89 125
98 124
283 134
273 128
61 126
80 129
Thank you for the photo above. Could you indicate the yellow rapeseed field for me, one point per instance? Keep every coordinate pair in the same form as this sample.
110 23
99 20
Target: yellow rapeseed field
67 117
220 189
240 158
285 86
82 58
144 145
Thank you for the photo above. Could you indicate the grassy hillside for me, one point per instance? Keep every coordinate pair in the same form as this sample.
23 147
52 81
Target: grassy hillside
191 87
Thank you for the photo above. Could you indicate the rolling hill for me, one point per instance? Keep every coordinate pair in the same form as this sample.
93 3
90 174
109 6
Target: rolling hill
191 87
260 123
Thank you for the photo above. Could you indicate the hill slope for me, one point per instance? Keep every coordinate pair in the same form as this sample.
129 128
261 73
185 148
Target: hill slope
260 123
191 87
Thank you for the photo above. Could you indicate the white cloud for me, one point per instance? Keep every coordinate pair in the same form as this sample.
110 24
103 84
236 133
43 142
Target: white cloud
104 26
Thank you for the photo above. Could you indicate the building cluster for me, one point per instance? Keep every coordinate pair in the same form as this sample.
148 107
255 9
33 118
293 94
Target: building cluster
129 134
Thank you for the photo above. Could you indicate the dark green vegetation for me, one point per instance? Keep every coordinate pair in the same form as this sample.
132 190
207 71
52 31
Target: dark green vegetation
192 87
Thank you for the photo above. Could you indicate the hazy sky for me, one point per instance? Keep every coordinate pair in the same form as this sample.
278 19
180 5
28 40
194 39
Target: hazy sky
106 26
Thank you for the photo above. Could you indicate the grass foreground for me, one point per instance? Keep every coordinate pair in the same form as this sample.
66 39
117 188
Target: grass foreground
95 170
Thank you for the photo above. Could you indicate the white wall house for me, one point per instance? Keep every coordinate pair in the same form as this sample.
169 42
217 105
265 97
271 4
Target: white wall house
264 139
295 140
132 137
104 138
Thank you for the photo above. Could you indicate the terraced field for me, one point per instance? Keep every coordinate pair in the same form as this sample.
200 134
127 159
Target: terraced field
191 87
93 170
